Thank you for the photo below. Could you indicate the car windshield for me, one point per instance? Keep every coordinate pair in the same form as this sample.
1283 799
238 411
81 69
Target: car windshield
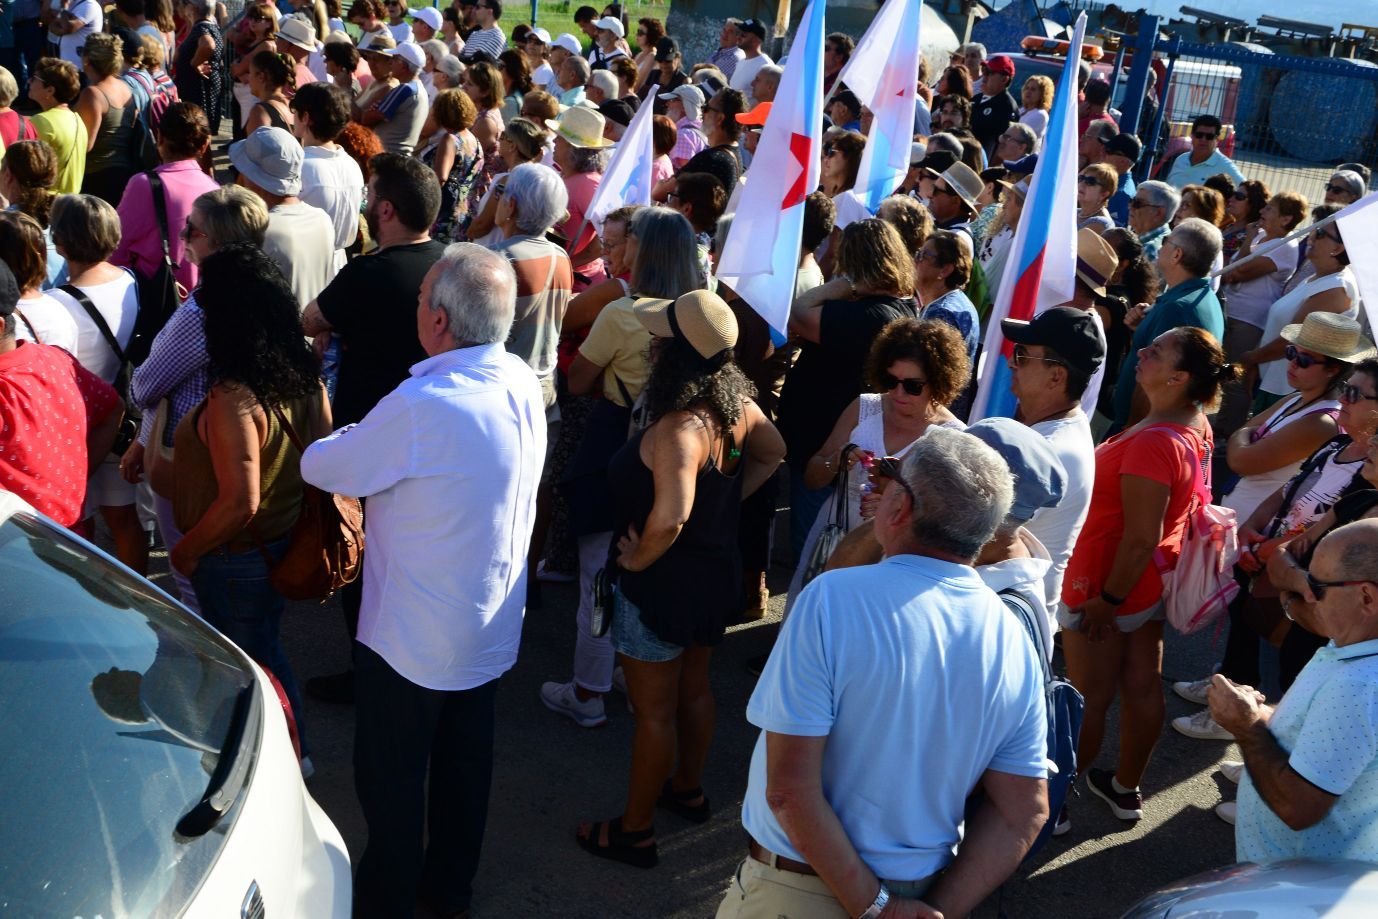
114 703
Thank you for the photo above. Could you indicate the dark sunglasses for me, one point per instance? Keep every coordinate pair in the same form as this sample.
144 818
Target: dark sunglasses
911 385
944 191
828 150
1303 361
1204 135
1318 588
1353 394
887 467
1135 204
1240 196
1087 180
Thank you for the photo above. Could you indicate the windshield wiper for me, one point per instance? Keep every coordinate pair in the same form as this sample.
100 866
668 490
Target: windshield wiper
232 768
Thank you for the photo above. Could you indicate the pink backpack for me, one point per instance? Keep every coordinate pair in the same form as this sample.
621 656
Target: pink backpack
1200 587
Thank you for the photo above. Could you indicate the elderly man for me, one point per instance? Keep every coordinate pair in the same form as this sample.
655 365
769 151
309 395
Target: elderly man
766 84
1121 154
1184 260
953 203
816 834
1311 783
607 42
487 38
994 109
1055 356
1150 214
751 34
448 528
974 59
1091 146
601 87
573 77
398 117
684 106
729 53
1204 159
1016 142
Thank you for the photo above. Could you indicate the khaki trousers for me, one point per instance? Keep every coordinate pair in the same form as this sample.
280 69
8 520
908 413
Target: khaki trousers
761 892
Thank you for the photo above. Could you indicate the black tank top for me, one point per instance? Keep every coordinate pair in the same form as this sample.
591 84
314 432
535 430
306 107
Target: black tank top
691 593
275 119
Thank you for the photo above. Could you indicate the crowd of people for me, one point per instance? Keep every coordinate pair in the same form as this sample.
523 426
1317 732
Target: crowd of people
397 294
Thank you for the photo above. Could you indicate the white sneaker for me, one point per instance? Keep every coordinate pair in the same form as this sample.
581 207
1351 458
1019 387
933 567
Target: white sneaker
1232 770
560 697
1193 691
553 577
1226 811
1201 726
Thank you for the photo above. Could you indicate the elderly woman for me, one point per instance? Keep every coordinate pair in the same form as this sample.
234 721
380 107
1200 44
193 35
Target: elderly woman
836 323
1095 185
1112 613
42 318
453 154
1331 289
680 482
27 174
721 158
238 487
942 268
522 141
581 155
1243 208
201 60
86 231
613 360
177 367
915 370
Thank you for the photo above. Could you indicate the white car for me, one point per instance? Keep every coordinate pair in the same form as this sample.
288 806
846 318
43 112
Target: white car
147 766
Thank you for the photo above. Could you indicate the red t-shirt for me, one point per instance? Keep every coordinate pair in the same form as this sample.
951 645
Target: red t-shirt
48 402
1154 454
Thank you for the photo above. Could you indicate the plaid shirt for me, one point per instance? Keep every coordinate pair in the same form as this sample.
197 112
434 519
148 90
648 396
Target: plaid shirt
726 59
177 368
689 140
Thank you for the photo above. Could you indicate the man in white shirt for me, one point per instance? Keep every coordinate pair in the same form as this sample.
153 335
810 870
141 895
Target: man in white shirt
830 754
1055 357
75 20
330 179
750 35
300 238
445 580
489 38
606 43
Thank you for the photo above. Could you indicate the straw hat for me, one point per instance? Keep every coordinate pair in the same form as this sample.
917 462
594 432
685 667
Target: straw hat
580 126
1335 336
1096 260
699 318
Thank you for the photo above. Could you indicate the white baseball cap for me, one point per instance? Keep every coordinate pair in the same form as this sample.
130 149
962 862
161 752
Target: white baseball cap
612 24
429 15
538 33
408 51
569 43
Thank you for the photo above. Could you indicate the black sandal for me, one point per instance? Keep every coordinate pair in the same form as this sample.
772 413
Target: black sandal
622 845
676 802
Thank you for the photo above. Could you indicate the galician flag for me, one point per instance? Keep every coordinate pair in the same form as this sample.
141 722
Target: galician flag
1358 225
761 254
883 73
627 180
1042 267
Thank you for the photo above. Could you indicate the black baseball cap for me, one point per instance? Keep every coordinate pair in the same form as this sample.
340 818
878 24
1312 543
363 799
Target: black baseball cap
753 26
1125 145
616 110
1071 332
666 49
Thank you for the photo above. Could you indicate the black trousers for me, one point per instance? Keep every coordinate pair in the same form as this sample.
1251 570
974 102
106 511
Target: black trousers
400 730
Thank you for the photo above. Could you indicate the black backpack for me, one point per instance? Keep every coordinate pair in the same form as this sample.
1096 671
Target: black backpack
158 298
129 427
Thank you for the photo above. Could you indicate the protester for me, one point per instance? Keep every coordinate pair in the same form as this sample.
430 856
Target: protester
454 155
54 86
200 61
721 158
837 51
1016 142
330 179
434 639
994 250
1122 154
27 174
1345 187
1036 97
398 116
522 141
953 203
1112 617
1095 185
41 318
1204 159
1203 202
942 268
994 109
1150 212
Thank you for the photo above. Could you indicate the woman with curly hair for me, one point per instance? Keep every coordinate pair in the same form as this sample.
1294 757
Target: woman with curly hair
1036 97
453 154
649 31
238 488
27 175
916 369
272 80
678 490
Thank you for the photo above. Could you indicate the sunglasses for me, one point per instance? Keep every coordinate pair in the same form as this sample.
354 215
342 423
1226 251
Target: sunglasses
1240 196
1087 180
1318 588
1135 204
887 467
912 386
1021 354
1322 234
1353 394
1337 189
190 231
828 150
1204 135
1303 361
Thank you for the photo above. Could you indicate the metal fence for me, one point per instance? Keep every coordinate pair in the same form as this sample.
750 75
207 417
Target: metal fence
1289 121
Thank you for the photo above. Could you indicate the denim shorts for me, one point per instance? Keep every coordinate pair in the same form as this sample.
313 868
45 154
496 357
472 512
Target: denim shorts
1123 624
631 637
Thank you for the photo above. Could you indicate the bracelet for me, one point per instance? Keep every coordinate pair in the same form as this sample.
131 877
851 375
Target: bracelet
1112 599
878 905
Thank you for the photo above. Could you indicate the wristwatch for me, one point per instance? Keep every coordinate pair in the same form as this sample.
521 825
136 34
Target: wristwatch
878 905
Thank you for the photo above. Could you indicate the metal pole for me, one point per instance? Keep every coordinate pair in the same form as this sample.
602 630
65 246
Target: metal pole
1132 104
534 4
1155 131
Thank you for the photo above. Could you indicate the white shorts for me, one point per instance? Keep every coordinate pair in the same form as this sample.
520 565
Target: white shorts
107 488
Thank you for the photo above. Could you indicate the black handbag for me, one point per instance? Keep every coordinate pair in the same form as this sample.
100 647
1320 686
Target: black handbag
834 530
158 295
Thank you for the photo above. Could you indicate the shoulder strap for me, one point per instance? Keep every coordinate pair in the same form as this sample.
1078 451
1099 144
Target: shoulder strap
1199 485
1016 604
28 325
97 318
622 388
155 187
291 431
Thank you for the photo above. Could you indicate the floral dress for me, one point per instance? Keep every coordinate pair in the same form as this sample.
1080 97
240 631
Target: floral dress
456 199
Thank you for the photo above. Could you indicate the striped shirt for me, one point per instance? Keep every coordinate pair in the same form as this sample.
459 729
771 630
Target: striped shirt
488 41
726 59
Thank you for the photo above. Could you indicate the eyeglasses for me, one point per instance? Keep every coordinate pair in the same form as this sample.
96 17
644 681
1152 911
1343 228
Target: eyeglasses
912 386
1087 180
1353 394
1318 588
640 31
1021 354
943 189
889 468
191 231
1204 135
1240 196
672 196
1303 361
828 150
1321 234
1337 189
1135 204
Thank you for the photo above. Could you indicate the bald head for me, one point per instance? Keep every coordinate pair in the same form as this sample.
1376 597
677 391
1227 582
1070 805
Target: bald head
1345 564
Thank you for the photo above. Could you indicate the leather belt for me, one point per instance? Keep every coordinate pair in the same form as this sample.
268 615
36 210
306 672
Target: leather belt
762 854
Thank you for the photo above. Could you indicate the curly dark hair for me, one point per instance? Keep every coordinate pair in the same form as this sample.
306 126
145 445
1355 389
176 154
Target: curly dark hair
253 326
1139 279
681 378
934 345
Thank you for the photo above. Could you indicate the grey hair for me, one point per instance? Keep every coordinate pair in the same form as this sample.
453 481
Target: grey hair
947 142
1161 194
604 80
435 51
1200 243
202 8
667 263
232 214
85 227
963 491
588 159
1027 136
9 89
539 195
582 66
451 66
477 289
974 47
772 72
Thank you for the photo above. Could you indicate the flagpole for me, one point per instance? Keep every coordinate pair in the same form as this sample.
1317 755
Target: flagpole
1295 234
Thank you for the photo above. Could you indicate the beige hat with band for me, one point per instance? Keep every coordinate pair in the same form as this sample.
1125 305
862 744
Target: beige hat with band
580 126
965 182
1096 260
699 318
1337 337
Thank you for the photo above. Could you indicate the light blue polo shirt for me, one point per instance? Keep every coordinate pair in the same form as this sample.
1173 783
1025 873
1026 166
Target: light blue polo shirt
921 680
1328 722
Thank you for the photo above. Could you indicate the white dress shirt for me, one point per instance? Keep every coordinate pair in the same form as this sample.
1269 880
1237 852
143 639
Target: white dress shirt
449 462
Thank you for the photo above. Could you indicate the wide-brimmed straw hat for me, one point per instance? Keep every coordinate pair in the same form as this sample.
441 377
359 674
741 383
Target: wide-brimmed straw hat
1337 337
580 126
1096 260
699 318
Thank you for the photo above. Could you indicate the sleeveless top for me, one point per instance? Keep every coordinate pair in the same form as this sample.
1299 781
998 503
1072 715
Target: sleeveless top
691 593
191 85
279 474
114 146
1321 482
1252 489
275 118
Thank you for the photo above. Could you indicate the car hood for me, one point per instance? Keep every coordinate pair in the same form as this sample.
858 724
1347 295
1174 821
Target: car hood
1298 887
